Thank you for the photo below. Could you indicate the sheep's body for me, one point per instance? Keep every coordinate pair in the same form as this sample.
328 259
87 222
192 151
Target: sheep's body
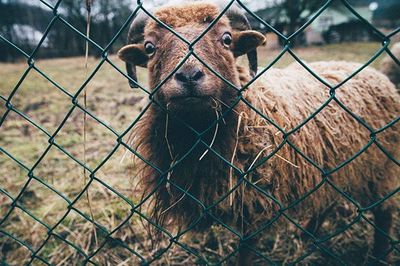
389 67
287 96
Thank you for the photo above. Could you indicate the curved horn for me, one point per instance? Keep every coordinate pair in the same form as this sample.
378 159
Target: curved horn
240 22
135 35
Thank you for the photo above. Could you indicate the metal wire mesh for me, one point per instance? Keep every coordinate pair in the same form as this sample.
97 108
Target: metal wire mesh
87 257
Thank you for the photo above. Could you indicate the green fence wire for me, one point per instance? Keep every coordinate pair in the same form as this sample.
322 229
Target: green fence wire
317 243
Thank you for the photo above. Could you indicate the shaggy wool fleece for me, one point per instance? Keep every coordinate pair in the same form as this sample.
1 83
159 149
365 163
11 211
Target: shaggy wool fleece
288 97
199 189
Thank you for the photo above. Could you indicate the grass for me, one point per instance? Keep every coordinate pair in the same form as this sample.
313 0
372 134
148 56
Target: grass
111 100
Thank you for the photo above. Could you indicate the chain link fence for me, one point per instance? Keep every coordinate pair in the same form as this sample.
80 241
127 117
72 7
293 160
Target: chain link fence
58 232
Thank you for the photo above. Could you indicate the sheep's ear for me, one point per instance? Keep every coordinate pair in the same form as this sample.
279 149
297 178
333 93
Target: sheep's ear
134 54
246 41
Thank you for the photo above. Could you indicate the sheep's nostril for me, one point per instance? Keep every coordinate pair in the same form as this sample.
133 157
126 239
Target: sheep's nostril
182 77
192 75
198 74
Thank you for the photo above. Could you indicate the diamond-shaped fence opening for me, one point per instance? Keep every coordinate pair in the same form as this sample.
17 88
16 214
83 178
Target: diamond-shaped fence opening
71 192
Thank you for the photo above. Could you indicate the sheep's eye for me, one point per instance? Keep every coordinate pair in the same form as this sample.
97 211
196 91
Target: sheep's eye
227 39
149 48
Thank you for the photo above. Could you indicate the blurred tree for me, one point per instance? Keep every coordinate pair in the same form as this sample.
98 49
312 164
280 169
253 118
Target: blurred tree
294 10
106 18
23 24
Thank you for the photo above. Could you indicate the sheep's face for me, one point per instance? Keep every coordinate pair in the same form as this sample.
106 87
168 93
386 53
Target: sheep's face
194 86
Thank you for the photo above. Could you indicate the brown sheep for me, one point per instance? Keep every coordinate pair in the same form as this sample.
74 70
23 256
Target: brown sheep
190 184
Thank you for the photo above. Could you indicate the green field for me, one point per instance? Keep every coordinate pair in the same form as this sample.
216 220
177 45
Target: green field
110 99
